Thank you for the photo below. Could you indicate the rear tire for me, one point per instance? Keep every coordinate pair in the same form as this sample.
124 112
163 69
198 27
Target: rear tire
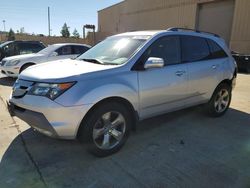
220 100
106 129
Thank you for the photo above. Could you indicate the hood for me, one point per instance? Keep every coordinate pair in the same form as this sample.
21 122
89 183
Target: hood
61 70
21 57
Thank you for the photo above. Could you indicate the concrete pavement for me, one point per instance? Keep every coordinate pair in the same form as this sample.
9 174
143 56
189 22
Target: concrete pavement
181 149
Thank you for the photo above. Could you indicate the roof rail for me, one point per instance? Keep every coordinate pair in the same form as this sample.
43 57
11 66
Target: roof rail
194 30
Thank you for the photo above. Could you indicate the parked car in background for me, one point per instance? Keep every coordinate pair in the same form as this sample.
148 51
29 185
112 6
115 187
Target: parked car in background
243 61
99 96
12 66
11 48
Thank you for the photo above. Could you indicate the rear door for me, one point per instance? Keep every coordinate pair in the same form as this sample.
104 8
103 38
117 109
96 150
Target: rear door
204 70
163 89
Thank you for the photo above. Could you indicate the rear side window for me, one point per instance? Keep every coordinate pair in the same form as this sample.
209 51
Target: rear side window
65 50
194 49
215 50
79 49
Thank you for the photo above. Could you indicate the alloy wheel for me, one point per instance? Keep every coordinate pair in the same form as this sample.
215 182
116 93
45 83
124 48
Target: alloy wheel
109 130
221 101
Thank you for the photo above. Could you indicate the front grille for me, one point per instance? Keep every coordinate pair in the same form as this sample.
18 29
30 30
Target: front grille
20 88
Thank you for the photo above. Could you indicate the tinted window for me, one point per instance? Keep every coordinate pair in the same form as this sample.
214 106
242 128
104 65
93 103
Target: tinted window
194 49
215 50
26 48
11 49
167 48
65 50
79 49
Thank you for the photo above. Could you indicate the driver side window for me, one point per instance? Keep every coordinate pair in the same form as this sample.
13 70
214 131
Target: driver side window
167 48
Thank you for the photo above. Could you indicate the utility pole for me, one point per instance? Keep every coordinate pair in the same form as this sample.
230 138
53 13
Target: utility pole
4 25
83 32
49 20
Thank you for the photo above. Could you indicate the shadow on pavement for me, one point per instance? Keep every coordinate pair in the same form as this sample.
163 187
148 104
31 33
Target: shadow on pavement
181 149
7 81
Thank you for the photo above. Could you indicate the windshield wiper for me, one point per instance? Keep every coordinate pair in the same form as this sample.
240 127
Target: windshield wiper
97 61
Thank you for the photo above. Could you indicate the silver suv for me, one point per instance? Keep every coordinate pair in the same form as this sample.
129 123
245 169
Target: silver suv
99 96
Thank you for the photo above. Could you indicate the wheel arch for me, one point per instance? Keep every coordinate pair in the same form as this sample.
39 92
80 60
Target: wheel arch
26 64
121 100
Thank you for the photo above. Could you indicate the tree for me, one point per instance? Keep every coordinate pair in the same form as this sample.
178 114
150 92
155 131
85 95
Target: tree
65 31
11 35
76 34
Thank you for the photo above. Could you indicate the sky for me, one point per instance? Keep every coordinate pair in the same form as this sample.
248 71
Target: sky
33 14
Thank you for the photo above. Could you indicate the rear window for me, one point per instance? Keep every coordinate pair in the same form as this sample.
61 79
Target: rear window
194 49
215 50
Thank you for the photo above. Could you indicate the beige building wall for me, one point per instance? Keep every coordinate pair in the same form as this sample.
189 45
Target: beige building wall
240 37
131 15
48 40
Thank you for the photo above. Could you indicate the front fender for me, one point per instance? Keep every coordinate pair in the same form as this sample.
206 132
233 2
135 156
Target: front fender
112 90
93 91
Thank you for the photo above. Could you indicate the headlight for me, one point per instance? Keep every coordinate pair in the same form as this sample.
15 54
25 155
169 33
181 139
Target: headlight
12 63
52 91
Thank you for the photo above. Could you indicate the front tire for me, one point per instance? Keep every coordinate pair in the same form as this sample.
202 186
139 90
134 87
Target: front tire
25 67
106 128
220 101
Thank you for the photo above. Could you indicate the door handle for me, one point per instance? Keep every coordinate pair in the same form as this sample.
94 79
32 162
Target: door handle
180 73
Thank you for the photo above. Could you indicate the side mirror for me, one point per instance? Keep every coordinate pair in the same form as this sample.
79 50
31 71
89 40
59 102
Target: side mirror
154 62
53 54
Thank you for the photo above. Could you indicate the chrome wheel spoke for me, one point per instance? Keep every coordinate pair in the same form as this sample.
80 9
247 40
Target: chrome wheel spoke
216 104
219 107
116 134
106 141
106 118
119 120
98 132
224 103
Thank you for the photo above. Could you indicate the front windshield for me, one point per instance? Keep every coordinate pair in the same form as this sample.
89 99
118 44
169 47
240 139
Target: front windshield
48 50
114 50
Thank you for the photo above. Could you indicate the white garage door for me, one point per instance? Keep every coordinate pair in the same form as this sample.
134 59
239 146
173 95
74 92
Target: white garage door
216 17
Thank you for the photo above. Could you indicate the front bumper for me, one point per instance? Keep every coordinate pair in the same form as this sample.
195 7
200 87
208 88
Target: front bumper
47 116
11 71
36 120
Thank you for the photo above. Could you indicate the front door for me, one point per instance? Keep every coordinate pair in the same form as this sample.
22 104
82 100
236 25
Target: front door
163 89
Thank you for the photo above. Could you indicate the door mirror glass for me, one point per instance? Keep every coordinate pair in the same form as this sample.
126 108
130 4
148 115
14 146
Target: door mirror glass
154 62
54 54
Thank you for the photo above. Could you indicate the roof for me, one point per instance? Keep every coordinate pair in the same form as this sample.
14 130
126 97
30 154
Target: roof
63 44
174 31
139 33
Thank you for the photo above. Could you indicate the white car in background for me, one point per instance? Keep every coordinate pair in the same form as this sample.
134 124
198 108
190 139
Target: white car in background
13 66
